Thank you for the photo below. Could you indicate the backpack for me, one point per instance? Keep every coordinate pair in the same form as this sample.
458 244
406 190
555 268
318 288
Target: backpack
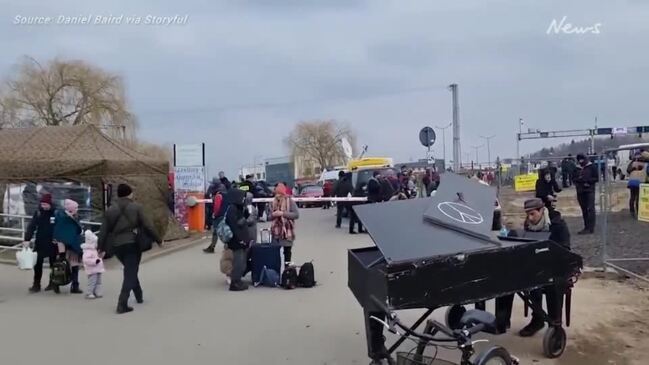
289 278
60 274
269 278
306 277
223 230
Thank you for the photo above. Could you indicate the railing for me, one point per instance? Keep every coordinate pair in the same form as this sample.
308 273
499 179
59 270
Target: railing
19 231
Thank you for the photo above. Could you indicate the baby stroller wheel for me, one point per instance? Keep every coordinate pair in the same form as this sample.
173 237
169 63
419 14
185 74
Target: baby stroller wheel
494 356
554 342
453 316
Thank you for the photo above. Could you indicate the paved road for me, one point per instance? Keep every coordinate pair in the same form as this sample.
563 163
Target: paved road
190 318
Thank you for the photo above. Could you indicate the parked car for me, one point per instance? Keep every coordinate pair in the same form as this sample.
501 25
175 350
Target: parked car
310 191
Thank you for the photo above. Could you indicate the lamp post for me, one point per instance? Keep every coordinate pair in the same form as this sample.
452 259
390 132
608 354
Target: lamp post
444 139
476 148
488 138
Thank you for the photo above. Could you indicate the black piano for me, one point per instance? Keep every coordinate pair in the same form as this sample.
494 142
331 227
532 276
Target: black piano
440 251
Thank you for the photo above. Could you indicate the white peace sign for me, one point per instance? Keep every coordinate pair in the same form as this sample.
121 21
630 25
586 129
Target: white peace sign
460 213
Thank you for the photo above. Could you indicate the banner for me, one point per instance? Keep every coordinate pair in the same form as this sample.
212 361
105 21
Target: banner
189 154
643 205
526 182
188 181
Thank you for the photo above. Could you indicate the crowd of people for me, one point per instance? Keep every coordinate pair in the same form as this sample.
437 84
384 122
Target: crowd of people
57 234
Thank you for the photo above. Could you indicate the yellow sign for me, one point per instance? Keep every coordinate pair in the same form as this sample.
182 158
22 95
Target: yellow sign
526 182
643 206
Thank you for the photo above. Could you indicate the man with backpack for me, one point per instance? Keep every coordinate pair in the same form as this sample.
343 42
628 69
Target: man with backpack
219 205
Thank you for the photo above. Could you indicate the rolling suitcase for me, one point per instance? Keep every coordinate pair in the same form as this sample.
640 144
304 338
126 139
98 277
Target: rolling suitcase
264 255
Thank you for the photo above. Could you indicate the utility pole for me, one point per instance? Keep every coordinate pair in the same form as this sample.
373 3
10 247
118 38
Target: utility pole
444 140
488 138
476 148
592 138
518 144
457 150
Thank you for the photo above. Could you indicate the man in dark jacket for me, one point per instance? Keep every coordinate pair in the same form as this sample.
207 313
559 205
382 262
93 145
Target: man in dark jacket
248 185
374 188
541 219
585 180
236 218
118 230
342 189
546 188
359 192
224 180
42 224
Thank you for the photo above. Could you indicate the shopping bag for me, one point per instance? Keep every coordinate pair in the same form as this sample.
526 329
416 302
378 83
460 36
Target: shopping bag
26 259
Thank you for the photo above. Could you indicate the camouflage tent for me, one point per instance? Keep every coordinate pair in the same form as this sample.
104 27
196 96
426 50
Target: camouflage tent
85 155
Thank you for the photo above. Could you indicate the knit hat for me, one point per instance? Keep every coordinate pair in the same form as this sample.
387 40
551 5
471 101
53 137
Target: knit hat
532 204
46 198
581 156
71 206
123 191
91 238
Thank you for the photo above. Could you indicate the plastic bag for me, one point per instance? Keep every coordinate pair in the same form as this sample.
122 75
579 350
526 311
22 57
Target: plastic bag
26 259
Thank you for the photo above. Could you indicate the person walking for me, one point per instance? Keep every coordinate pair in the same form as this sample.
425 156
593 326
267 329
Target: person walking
42 225
284 214
342 189
122 222
359 192
586 177
67 236
219 206
93 265
637 172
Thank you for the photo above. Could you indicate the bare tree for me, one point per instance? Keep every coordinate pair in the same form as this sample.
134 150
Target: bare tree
65 93
320 141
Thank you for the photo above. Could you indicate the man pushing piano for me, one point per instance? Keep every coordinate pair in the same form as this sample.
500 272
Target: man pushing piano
440 251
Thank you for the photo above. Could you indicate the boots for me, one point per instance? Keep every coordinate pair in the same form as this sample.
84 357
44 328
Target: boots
209 249
49 287
75 289
139 296
123 308
531 329
35 288
238 286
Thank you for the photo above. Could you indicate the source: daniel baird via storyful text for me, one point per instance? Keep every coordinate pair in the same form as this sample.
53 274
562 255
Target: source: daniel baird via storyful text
92 19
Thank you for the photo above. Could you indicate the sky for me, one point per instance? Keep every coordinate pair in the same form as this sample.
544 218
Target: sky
238 75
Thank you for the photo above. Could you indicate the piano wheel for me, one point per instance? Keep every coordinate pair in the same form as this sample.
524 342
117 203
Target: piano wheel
453 316
554 342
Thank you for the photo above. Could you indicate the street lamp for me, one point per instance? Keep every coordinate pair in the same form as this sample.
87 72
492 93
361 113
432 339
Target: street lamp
476 148
444 139
488 138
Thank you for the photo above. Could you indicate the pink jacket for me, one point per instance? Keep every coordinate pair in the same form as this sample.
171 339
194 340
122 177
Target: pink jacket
90 257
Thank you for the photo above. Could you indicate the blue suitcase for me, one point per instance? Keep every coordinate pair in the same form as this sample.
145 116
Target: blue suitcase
264 255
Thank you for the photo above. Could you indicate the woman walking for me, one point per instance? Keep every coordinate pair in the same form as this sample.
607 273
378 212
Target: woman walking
42 224
122 221
284 214
67 236
637 172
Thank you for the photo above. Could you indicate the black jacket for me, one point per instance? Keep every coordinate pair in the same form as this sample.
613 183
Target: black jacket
387 191
586 178
42 224
343 187
559 231
120 221
236 220
374 190
226 182
544 188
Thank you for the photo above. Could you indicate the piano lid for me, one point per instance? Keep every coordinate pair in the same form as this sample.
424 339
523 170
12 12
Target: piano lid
408 230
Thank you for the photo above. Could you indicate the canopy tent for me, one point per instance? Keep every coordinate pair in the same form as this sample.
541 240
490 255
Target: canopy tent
83 154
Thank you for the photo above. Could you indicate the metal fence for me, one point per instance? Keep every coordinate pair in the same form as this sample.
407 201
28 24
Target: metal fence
606 191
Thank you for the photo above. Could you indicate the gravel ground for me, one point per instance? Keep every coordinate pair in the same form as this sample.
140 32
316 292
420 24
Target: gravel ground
626 237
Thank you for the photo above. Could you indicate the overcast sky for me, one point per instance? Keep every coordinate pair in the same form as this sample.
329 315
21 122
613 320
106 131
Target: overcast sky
239 74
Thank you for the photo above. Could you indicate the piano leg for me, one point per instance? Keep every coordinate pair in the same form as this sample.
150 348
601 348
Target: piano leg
504 307
374 336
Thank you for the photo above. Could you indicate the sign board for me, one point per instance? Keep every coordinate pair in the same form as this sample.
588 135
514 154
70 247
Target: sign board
189 178
526 182
427 136
643 206
619 131
189 154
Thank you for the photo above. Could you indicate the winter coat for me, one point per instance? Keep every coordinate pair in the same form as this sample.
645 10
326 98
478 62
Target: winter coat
637 173
67 230
92 263
559 231
121 221
226 182
247 186
344 187
251 221
545 188
586 178
292 214
374 190
42 224
387 191
236 219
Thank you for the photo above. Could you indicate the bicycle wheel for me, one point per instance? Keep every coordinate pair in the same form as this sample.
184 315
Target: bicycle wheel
494 356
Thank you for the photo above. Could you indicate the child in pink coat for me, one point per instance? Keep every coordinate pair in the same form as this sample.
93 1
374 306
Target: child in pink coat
93 265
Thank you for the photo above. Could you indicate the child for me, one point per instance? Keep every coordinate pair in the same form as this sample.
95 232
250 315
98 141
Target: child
93 264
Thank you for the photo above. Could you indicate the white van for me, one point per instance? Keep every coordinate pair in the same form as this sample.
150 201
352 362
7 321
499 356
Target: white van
624 157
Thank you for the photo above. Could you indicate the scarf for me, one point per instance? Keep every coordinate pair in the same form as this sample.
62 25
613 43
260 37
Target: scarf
282 228
543 225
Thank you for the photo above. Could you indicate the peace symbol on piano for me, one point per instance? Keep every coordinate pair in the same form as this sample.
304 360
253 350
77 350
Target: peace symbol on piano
460 213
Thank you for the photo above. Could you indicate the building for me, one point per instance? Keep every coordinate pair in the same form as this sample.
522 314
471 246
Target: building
280 169
258 172
422 165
